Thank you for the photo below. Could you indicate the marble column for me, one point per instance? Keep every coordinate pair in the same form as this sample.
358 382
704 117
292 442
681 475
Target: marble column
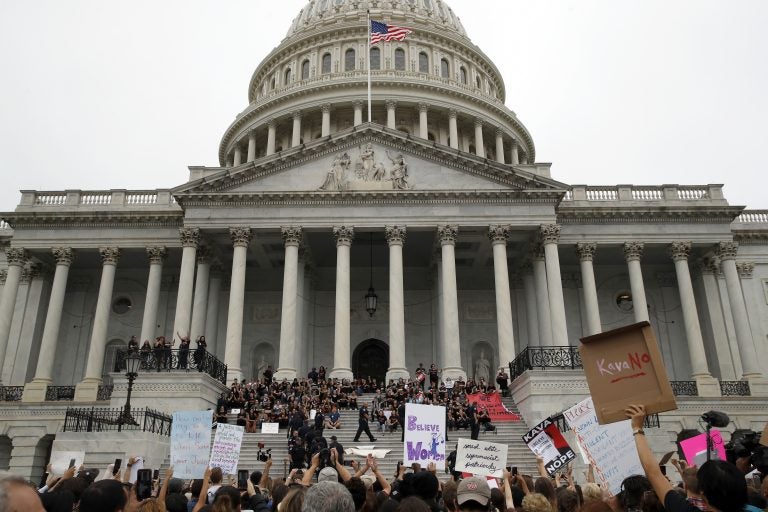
514 150
341 353
500 146
35 390
16 258
238 158
633 252
726 251
326 122
451 342
156 256
301 314
397 366
542 296
296 135
271 136
190 238
200 299
550 235
586 253
453 129
287 358
423 124
241 237
713 309
212 315
251 146
498 236
479 144
391 107
88 388
357 106
531 317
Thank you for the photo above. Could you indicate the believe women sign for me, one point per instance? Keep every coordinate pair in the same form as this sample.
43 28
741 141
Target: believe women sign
424 435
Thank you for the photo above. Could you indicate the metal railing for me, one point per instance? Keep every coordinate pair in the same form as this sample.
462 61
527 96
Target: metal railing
11 393
566 357
107 420
734 388
177 360
684 387
104 392
57 393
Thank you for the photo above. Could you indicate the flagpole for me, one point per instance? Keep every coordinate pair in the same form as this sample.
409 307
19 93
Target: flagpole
369 65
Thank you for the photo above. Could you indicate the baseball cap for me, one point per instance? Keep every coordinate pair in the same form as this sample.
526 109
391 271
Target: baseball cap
330 475
475 489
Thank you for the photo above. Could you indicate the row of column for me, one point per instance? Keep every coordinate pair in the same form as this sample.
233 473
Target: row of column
391 106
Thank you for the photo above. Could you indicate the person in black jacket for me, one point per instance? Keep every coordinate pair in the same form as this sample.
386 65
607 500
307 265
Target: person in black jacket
362 425
339 449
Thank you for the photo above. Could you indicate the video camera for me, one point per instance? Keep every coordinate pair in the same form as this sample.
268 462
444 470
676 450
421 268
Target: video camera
746 443
263 455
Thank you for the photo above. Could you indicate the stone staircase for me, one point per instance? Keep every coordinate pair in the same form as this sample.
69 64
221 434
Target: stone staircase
509 433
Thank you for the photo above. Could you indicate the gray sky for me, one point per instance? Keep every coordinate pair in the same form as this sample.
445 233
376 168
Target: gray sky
99 94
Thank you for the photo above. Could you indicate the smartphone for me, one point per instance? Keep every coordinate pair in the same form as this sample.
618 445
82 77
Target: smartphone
242 479
348 463
71 463
116 466
514 470
156 474
144 484
43 480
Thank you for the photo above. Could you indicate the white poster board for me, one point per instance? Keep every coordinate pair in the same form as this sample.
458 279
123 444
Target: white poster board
225 453
60 461
190 443
481 457
424 435
610 448
270 428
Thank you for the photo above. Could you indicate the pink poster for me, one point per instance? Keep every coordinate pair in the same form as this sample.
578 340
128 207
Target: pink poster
695 448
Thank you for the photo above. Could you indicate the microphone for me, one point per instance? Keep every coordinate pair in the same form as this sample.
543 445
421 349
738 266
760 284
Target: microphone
716 419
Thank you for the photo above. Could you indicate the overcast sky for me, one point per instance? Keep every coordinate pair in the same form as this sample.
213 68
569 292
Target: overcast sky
99 94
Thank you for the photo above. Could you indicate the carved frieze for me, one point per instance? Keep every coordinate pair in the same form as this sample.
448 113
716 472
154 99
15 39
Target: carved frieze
365 172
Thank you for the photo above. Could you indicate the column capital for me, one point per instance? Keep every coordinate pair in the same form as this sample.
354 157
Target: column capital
633 251
156 255
326 108
63 255
190 237
727 250
709 266
447 234
391 104
16 256
240 236
109 255
453 114
479 122
292 235
204 255
343 235
549 233
680 251
498 234
499 131
513 143
296 114
395 234
423 107
356 104
586 250
32 271
271 123
745 269
252 135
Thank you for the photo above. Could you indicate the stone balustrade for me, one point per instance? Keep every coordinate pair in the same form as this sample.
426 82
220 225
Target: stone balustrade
633 194
155 199
753 217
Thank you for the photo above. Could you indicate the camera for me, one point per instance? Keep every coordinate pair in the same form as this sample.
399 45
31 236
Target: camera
263 455
746 443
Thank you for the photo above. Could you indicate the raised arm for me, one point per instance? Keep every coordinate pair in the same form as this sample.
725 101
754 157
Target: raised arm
265 474
202 498
379 477
164 487
659 482
308 474
340 469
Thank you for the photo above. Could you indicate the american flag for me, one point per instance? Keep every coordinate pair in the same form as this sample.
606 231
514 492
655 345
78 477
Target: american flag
383 32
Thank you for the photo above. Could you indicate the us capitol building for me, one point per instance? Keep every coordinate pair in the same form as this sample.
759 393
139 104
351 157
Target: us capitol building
476 255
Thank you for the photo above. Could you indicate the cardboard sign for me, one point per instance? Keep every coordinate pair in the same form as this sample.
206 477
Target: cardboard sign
764 436
225 453
609 448
492 402
481 458
190 443
695 448
624 366
270 428
60 461
547 442
424 435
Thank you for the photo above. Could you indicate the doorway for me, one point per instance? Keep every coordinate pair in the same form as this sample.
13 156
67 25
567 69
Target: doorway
371 359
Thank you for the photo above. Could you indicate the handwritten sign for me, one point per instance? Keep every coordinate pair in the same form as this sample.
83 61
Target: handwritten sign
424 435
695 448
225 453
609 448
481 457
190 443
492 402
60 461
270 428
624 366
547 442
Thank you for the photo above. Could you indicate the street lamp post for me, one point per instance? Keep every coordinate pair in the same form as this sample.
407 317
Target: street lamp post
132 365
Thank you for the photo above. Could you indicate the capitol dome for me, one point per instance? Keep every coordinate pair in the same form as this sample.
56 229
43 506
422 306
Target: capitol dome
436 84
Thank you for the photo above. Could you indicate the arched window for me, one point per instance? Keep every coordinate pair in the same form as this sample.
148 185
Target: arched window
375 58
326 63
423 63
287 77
305 69
478 83
400 59
349 60
445 70
463 75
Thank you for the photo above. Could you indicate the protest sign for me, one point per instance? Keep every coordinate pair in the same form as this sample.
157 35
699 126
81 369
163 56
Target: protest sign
190 443
547 442
695 448
481 457
225 453
492 402
624 366
609 448
764 436
270 428
138 463
424 435
60 461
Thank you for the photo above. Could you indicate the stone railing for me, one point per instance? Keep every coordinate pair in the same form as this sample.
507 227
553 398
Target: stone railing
98 419
98 198
4 224
634 193
753 217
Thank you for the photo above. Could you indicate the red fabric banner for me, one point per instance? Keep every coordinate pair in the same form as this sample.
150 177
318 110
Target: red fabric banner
496 409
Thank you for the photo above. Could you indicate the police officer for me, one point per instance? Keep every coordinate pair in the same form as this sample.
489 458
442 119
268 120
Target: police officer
362 425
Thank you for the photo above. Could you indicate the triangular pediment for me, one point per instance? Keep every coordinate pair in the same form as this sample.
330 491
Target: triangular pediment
365 160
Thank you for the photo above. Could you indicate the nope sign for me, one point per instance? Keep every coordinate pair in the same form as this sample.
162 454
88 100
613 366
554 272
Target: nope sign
624 366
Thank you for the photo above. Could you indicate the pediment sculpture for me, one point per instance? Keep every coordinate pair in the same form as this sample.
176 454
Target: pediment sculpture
367 173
